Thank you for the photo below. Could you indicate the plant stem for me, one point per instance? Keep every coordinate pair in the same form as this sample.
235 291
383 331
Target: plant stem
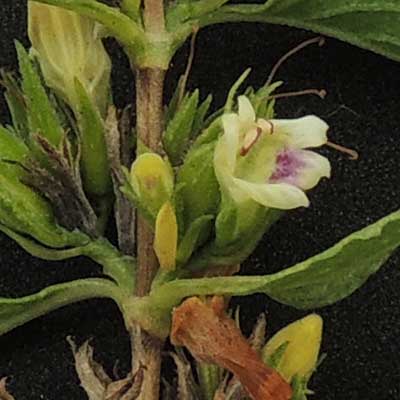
149 111
154 19
149 91
147 350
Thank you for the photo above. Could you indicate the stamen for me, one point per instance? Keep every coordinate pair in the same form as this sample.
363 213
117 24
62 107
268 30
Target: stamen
189 65
320 93
353 155
319 40
249 140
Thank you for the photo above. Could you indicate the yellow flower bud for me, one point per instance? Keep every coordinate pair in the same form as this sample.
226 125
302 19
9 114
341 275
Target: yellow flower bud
152 181
166 237
303 338
69 48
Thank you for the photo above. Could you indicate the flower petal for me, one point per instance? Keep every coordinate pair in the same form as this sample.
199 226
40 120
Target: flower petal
301 168
226 149
247 115
152 180
303 338
273 195
309 131
229 142
166 237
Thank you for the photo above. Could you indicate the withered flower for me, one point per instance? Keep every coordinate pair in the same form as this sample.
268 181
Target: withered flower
212 337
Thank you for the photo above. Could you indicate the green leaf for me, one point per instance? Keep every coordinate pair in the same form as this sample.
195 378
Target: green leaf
319 281
202 111
263 107
24 211
210 377
213 129
118 266
200 190
94 162
238 234
373 25
42 117
16 312
235 87
186 10
16 104
179 130
339 271
193 237
39 251
173 104
12 152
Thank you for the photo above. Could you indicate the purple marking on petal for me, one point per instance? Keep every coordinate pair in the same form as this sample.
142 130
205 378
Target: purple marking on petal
288 165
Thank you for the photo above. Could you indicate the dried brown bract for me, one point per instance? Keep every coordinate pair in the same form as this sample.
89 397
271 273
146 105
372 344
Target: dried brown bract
213 337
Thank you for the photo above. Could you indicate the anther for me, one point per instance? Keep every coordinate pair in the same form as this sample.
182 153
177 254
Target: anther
266 126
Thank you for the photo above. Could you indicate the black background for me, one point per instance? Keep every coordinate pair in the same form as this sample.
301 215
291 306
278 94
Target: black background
362 332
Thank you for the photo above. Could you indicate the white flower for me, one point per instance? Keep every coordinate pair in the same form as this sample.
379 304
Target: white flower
69 48
265 160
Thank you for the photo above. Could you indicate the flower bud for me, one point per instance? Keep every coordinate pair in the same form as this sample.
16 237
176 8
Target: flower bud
68 48
166 237
152 181
302 339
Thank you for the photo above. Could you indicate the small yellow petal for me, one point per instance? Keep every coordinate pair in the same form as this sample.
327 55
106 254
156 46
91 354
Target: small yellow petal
247 115
152 180
301 354
151 169
166 237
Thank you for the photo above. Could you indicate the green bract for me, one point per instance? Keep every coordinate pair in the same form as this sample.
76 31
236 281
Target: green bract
41 115
24 211
21 208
